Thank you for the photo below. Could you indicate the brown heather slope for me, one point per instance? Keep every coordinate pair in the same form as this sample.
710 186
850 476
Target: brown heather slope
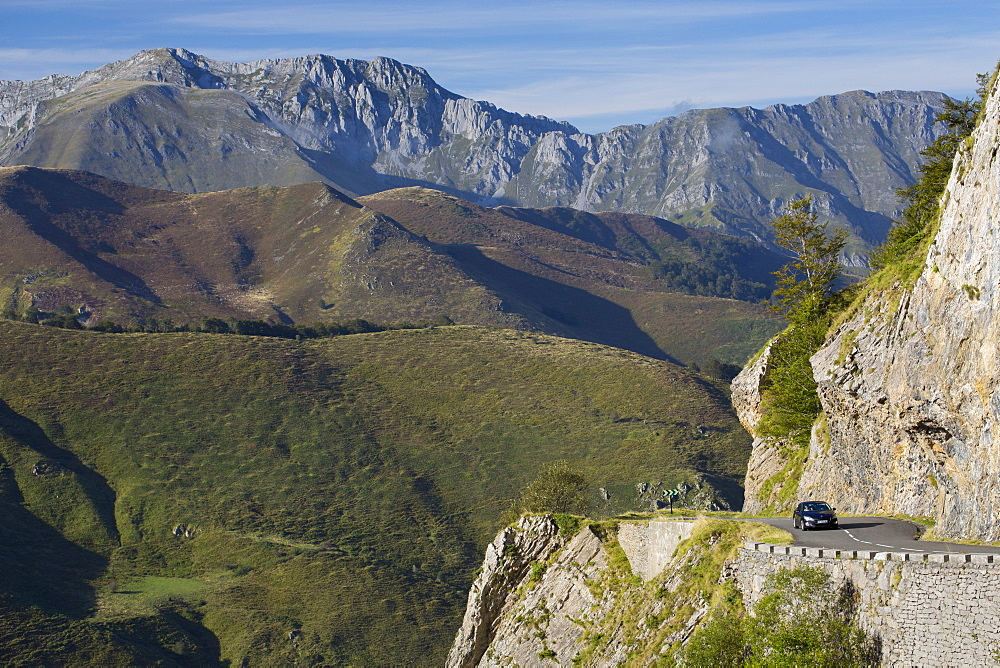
592 276
308 254
303 253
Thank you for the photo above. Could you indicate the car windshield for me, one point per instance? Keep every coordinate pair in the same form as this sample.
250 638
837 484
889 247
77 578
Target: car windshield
815 507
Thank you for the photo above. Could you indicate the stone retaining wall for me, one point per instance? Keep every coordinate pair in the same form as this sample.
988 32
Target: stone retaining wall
928 609
650 545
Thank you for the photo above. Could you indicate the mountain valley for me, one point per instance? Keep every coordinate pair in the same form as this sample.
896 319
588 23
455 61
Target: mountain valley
496 293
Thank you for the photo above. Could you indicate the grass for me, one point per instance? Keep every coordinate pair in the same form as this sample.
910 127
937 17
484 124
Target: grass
340 488
134 597
648 616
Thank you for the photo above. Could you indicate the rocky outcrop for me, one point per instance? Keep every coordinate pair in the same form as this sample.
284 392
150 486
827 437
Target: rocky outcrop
775 463
173 119
506 565
579 602
909 383
545 619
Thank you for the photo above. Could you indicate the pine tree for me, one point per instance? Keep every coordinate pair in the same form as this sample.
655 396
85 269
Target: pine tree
921 200
805 283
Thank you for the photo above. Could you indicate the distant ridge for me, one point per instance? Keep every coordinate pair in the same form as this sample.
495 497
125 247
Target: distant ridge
95 248
169 118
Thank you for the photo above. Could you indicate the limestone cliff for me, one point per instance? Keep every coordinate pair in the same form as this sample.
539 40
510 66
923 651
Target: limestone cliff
542 598
169 118
909 383
769 457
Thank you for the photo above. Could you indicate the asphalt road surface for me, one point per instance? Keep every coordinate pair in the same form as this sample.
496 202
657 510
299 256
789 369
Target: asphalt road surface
874 533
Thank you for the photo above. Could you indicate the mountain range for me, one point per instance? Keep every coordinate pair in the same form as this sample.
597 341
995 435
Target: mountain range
169 118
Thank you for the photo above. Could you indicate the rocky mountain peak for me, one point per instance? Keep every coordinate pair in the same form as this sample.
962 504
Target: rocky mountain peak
370 125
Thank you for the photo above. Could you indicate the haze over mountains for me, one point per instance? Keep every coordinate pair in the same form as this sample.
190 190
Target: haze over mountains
168 118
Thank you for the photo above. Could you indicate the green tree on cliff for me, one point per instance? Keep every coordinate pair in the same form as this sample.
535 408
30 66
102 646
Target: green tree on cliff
804 293
921 200
805 283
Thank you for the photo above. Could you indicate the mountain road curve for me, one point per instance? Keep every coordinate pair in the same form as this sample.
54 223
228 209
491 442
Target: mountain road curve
876 534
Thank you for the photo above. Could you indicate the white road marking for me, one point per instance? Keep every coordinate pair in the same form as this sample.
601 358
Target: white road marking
891 547
855 539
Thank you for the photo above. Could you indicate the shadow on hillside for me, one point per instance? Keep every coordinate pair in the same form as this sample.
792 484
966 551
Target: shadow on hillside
729 489
64 197
357 178
38 565
558 309
53 460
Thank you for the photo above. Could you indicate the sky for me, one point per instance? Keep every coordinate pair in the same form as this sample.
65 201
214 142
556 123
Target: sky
596 64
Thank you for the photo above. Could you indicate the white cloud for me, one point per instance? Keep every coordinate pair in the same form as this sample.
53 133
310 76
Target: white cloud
377 18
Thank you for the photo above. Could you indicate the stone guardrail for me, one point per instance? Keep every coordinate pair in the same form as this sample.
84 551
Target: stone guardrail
954 558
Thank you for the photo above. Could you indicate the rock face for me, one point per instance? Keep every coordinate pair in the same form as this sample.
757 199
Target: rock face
172 119
909 384
506 565
603 597
736 168
545 621
359 124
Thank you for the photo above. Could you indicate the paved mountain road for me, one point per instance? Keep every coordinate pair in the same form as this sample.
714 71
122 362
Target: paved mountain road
874 533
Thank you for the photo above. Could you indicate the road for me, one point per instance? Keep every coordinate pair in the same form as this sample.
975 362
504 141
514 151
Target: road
874 533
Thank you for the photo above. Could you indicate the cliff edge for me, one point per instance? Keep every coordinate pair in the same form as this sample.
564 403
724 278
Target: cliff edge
909 381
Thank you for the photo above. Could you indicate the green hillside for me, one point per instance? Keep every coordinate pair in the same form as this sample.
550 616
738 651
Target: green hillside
196 498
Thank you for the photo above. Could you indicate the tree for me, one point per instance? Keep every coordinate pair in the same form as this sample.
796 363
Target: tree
805 284
805 287
921 200
557 489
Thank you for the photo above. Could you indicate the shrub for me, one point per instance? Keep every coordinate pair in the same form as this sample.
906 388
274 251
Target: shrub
557 489
789 402
804 619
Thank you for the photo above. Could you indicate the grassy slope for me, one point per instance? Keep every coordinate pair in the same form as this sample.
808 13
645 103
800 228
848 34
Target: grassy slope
339 488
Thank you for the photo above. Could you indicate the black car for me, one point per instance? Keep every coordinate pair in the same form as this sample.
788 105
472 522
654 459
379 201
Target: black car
814 515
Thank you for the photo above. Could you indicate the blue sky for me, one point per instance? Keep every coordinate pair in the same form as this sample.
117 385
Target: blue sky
595 64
